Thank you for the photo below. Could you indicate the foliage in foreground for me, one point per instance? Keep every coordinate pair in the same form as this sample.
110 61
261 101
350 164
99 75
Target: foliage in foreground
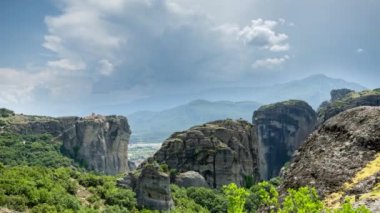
31 150
56 190
36 177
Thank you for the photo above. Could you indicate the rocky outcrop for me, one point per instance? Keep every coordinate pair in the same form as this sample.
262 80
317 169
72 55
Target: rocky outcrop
190 179
221 151
344 99
24 124
151 185
337 94
281 129
341 158
99 143
153 189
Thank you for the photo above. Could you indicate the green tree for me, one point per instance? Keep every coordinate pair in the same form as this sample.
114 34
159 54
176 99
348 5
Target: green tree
236 198
263 195
303 200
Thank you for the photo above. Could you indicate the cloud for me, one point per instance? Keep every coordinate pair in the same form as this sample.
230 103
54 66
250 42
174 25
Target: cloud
17 86
67 64
102 48
106 67
270 63
261 33
359 50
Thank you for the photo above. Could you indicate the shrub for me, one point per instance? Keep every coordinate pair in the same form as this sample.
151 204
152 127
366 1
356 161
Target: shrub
6 112
120 197
304 199
236 198
348 208
183 203
211 199
264 195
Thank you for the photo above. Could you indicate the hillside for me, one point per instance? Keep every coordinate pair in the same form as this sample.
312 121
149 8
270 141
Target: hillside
152 127
314 90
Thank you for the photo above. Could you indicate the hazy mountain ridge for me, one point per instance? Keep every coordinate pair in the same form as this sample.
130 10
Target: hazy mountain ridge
156 126
314 90
149 126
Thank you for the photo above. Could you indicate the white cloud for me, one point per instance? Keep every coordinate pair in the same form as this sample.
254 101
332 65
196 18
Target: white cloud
67 64
17 86
119 44
359 50
270 63
261 33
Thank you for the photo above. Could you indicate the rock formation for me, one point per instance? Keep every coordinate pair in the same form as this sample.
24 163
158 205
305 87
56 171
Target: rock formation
341 158
151 185
99 143
153 189
190 179
25 124
221 151
344 99
337 94
281 129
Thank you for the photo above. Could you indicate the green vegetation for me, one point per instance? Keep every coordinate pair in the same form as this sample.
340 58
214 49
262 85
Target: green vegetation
354 95
36 177
213 200
236 198
6 112
31 150
40 189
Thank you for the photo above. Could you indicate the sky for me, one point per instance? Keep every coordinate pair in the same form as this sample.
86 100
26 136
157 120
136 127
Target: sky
62 57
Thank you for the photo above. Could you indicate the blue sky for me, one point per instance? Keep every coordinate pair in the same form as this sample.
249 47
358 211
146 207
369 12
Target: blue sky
69 56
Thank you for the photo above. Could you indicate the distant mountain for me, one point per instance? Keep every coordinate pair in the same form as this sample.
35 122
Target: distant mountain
150 126
314 90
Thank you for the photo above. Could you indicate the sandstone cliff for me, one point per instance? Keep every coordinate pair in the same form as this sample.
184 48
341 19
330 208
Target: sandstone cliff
100 143
341 159
281 129
344 99
221 151
151 185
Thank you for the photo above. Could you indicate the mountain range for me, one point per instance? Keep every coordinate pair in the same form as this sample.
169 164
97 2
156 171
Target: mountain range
156 126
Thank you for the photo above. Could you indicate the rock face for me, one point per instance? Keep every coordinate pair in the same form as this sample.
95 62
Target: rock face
337 94
221 151
100 143
281 129
190 179
344 99
341 159
151 185
153 189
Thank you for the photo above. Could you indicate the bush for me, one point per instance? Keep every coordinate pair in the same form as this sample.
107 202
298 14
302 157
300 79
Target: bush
304 199
6 112
31 150
121 197
211 199
348 208
236 198
262 195
183 203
